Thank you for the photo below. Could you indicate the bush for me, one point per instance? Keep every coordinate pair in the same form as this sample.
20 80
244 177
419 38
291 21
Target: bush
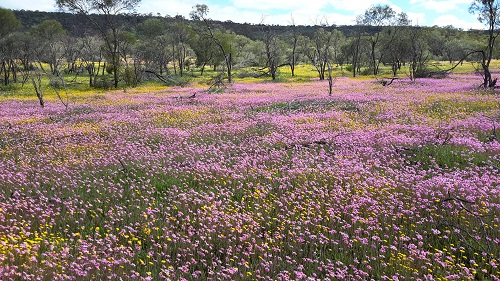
423 72
178 81
367 71
110 68
56 83
248 74
130 77
102 82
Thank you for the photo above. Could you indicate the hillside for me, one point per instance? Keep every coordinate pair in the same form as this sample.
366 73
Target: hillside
76 24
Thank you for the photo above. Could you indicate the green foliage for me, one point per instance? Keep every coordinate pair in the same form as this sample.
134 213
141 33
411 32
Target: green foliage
103 82
249 73
447 156
110 68
309 106
179 81
48 29
56 83
151 28
130 76
8 22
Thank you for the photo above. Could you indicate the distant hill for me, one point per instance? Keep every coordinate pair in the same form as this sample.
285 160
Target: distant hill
77 24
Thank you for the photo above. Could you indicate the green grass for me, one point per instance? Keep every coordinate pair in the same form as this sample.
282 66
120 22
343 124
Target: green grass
448 156
78 85
447 108
308 106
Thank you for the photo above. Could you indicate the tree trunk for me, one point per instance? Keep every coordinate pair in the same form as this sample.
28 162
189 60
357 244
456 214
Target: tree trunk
173 59
292 65
374 59
203 68
229 63
330 80
37 85
5 74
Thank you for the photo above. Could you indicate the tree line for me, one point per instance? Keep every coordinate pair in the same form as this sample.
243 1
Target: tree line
101 45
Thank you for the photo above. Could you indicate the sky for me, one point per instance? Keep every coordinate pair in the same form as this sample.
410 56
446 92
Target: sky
284 12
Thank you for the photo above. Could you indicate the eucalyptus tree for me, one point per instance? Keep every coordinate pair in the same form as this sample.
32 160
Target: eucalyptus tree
48 36
354 51
337 45
385 19
274 50
8 24
488 13
102 14
252 54
294 39
181 35
318 50
456 48
204 49
399 51
219 38
72 51
419 53
92 56
154 47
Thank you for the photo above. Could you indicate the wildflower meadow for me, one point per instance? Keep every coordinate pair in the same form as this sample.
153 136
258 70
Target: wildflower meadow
260 181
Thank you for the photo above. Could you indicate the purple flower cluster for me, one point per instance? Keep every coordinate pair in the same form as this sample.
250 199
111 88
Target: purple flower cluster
260 182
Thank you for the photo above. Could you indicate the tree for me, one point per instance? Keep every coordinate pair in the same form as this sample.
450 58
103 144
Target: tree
200 13
48 35
91 56
181 35
150 28
204 49
381 16
319 52
154 49
274 48
337 44
355 51
108 27
294 39
488 12
8 24
419 53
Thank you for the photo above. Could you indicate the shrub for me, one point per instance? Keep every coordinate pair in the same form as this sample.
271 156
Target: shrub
102 82
130 76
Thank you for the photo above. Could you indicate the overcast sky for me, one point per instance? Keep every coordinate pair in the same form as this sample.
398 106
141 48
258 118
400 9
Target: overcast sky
309 12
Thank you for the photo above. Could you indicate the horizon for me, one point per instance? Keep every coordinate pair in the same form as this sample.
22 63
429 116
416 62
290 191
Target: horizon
284 12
